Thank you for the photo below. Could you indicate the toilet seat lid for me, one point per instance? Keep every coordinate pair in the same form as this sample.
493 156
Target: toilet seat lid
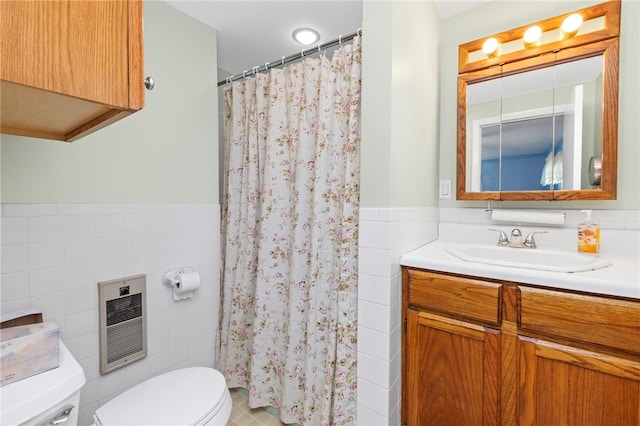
187 396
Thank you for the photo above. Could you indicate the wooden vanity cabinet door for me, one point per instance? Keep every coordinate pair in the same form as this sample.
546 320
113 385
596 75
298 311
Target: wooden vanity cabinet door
452 372
579 359
563 385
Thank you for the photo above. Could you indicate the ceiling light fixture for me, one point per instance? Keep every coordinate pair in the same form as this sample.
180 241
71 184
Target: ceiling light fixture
306 36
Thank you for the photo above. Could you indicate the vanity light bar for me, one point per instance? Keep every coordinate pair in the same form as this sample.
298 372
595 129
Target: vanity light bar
534 36
588 25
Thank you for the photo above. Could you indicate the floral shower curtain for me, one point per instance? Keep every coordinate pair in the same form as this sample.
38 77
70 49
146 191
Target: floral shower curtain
289 238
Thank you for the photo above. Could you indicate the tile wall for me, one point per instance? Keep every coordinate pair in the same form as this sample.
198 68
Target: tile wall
619 229
385 234
53 255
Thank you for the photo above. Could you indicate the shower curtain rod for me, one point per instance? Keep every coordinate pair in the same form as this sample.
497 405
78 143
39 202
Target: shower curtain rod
290 58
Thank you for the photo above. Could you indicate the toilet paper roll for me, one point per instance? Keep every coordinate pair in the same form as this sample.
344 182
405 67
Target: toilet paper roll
186 284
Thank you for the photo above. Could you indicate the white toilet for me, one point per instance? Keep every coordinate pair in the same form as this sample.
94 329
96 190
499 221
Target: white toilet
190 396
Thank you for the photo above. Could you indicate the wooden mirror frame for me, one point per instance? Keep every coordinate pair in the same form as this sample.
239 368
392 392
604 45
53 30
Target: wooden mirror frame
602 42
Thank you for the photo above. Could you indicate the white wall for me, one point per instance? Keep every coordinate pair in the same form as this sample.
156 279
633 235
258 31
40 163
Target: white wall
385 234
53 256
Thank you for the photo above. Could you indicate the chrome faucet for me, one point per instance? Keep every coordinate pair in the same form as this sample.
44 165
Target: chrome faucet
516 239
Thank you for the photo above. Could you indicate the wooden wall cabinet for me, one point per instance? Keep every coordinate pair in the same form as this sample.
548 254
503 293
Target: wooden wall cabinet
69 67
484 352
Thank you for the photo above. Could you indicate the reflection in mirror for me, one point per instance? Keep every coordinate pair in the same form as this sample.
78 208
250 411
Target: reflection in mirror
536 130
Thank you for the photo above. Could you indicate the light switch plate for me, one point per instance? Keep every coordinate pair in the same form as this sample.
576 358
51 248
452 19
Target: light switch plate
445 189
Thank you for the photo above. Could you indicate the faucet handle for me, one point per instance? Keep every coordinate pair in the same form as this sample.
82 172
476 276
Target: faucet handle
530 242
503 240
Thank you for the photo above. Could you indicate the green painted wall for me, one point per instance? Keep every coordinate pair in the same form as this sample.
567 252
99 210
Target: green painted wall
168 152
400 107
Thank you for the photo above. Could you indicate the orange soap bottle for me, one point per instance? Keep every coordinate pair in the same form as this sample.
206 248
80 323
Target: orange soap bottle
588 235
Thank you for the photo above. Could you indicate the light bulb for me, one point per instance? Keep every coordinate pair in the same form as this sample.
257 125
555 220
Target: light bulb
570 25
306 36
490 47
532 36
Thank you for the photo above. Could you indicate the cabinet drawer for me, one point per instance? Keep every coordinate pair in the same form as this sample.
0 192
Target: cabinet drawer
603 321
462 297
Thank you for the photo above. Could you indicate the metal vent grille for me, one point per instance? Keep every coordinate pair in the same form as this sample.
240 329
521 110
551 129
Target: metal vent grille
122 322
124 309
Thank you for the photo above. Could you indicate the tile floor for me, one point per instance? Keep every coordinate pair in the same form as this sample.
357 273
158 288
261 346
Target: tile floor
242 415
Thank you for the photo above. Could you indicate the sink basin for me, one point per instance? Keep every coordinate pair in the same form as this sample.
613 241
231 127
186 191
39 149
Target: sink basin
547 260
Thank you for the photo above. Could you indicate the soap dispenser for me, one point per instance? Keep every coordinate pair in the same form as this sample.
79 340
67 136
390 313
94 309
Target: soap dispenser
588 234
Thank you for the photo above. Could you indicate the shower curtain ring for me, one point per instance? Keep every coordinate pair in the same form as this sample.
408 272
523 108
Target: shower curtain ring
359 32
244 74
340 40
302 53
266 66
282 60
255 70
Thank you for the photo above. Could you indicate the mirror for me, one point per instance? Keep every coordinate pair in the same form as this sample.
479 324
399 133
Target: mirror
535 125
536 130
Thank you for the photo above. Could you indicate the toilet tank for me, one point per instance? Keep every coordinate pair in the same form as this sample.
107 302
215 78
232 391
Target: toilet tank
52 396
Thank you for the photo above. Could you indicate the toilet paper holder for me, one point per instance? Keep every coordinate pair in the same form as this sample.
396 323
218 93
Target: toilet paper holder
170 278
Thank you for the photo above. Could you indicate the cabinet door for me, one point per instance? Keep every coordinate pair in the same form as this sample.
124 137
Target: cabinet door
79 48
561 385
69 67
452 372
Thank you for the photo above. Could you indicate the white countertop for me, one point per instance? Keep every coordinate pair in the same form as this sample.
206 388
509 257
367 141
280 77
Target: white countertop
622 278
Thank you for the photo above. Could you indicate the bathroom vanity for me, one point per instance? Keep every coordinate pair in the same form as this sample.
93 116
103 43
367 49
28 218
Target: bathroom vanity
490 345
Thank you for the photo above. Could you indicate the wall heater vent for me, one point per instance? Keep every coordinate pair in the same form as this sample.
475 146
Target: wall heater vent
123 322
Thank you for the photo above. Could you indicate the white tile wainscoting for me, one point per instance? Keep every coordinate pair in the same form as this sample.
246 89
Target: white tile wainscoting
53 255
619 229
385 234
